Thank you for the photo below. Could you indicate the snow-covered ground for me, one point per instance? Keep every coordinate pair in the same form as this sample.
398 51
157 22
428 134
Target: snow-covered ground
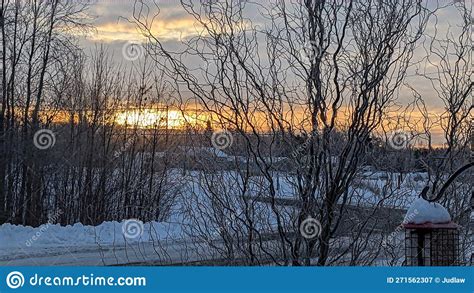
112 243
107 243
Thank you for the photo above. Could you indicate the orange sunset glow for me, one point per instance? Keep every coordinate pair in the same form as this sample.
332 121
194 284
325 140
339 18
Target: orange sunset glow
160 117
151 118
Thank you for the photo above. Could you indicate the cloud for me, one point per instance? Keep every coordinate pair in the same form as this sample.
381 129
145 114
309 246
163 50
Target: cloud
112 21
163 29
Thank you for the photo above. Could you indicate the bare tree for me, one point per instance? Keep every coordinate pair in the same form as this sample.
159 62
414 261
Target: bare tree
324 68
448 69
33 34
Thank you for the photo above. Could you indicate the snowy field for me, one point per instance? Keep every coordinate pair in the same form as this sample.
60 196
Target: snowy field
104 244
176 241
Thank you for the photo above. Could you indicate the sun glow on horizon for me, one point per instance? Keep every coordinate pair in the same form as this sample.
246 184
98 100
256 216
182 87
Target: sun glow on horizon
193 116
153 118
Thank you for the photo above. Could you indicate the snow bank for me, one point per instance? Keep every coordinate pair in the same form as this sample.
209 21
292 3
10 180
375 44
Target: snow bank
422 211
107 233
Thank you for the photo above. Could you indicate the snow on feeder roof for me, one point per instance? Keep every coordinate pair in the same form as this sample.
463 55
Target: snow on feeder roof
431 239
422 211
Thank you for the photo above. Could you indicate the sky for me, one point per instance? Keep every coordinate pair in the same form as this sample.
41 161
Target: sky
113 28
